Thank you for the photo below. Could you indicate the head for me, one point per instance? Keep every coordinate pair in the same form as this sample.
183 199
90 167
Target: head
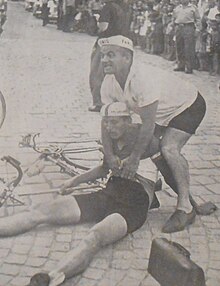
211 3
170 7
184 2
116 118
194 2
150 6
116 55
217 18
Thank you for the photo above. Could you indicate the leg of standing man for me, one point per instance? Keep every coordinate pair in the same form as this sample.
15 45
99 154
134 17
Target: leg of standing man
189 47
45 14
95 78
180 49
178 132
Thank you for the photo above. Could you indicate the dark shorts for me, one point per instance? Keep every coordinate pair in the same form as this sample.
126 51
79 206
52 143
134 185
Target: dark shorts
189 120
122 196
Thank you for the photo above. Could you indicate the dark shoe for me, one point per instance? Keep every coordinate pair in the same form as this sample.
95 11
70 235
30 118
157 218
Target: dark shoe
179 69
155 203
40 279
189 71
95 108
178 221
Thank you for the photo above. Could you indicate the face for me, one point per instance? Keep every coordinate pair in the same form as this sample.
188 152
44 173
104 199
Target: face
116 126
194 2
113 60
184 2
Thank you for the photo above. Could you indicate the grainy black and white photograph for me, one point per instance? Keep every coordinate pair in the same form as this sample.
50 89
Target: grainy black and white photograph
109 142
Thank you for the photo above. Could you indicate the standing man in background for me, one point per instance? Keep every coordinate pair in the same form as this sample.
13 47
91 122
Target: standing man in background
187 21
68 14
60 15
113 21
45 12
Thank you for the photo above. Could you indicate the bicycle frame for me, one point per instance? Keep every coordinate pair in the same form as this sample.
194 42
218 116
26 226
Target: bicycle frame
58 156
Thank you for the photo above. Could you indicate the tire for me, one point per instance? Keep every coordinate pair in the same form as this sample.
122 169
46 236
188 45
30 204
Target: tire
2 109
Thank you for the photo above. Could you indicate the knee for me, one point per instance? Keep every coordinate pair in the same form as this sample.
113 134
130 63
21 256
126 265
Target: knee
95 237
170 151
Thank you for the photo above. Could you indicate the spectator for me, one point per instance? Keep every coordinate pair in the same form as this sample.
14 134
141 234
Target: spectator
3 17
186 18
202 48
214 10
69 10
145 28
202 7
158 37
169 44
45 12
150 33
215 45
60 15
95 6
138 22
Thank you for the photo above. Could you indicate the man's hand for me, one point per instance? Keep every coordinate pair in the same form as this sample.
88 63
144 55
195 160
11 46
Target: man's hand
129 167
115 165
66 187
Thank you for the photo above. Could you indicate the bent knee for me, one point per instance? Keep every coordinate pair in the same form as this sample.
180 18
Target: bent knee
110 229
170 151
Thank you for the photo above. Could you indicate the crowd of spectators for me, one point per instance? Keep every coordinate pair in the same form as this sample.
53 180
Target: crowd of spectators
152 26
153 30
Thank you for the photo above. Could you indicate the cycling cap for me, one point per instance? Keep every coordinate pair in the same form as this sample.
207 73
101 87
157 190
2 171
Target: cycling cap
119 41
115 109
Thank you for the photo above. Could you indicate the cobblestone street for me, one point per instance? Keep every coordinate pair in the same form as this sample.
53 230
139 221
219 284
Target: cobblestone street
44 79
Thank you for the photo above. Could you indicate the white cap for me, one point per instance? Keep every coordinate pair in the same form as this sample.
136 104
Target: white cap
119 41
115 109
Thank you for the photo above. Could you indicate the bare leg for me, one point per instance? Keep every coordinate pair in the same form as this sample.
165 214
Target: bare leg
171 146
109 230
63 210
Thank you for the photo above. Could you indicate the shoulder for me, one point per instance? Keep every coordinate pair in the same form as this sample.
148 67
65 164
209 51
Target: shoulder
177 8
193 7
156 81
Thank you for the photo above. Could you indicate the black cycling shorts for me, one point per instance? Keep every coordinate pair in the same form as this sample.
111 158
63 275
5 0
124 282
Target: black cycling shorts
122 196
189 120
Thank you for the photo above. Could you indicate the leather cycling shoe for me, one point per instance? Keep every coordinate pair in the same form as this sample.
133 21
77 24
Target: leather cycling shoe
178 221
95 108
40 279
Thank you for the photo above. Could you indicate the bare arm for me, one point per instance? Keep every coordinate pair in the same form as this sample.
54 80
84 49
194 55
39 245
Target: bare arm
148 117
89 176
113 160
198 23
103 26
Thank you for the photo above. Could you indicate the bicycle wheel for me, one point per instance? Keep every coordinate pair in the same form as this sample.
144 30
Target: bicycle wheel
2 109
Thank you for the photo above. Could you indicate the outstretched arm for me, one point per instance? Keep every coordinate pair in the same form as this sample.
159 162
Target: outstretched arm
89 176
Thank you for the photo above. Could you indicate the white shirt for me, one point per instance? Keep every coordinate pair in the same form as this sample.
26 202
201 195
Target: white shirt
212 12
147 84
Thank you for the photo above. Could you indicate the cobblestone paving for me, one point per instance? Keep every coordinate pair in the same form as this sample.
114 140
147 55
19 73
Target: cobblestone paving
44 78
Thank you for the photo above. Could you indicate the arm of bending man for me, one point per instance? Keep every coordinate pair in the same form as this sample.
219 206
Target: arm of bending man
148 117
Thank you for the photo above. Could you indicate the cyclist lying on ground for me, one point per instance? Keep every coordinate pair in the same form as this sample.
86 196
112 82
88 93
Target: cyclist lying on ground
120 208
